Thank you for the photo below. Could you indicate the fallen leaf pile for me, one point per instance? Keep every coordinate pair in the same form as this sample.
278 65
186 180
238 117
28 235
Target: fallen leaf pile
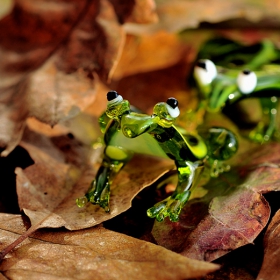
54 256
49 64
58 60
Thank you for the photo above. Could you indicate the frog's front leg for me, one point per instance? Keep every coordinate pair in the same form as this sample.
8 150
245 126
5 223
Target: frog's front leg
171 207
114 159
266 129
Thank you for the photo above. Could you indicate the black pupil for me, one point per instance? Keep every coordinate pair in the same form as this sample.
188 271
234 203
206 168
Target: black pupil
246 72
201 64
112 95
192 140
173 102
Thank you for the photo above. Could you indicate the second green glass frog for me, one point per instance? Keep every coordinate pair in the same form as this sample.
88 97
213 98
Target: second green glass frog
127 132
240 72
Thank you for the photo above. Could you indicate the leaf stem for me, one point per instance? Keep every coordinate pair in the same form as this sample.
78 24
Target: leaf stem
12 246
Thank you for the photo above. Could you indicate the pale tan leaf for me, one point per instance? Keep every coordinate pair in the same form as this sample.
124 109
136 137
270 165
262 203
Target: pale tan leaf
62 96
6 7
96 251
151 52
144 12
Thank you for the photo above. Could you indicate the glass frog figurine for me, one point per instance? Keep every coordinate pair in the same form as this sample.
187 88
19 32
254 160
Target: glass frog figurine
127 132
242 72
235 55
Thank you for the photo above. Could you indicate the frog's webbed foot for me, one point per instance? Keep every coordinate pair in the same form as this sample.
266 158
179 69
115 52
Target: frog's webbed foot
218 167
170 207
96 196
261 134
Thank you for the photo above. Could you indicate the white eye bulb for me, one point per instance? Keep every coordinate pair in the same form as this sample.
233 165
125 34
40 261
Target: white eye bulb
246 81
172 107
205 71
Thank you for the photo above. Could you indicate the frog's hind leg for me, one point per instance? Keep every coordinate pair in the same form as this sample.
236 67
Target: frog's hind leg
171 207
222 145
264 132
114 159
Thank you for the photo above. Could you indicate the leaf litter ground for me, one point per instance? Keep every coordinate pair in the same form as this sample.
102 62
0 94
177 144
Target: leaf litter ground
53 170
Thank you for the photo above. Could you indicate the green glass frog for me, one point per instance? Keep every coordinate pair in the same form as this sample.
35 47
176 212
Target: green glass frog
240 72
232 54
127 132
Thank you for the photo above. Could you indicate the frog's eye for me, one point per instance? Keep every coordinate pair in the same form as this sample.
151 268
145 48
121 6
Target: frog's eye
205 71
172 107
246 81
113 98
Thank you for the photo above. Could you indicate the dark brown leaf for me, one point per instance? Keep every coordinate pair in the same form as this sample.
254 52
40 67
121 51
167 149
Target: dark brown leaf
138 11
270 266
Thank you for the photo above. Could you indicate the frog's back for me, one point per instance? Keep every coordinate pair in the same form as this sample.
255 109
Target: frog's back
180 145
143 144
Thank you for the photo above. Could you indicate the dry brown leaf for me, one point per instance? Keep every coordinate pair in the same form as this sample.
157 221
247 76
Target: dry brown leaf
2 277
39 127
237 211
29 36
140 11
176 15
96 251
144 12
270 266
84 126
47 189
151 52
55 96
51 54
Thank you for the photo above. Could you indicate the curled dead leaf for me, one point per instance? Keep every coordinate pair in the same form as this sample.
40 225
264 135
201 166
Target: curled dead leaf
51 55
151 52
100 252
231 214
144 12
140 11
270 266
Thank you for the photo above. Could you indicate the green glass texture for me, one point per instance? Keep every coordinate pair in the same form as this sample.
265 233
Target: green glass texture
127 132
233 59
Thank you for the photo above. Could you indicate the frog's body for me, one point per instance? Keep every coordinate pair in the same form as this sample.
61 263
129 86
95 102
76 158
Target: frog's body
241 72
128 132
113 137
234 55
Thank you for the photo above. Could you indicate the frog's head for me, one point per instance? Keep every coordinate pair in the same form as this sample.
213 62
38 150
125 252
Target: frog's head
205 72
167 112
220 85
246 81
116 106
